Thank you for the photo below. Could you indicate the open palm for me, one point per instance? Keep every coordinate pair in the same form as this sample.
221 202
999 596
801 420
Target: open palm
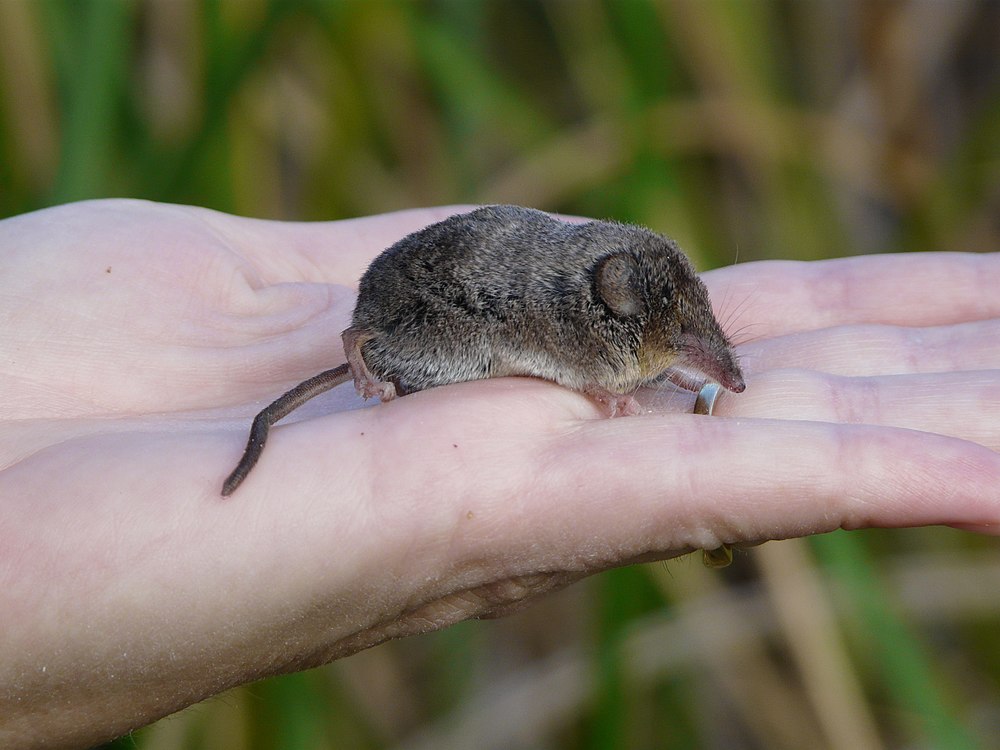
138 340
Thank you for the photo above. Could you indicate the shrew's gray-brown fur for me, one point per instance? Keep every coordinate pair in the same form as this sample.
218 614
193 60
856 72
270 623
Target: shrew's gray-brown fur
599 307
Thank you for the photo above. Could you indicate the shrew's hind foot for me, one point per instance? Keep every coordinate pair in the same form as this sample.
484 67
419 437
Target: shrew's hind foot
365 382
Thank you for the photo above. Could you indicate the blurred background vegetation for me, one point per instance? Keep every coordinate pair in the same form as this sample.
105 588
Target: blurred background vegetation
746 129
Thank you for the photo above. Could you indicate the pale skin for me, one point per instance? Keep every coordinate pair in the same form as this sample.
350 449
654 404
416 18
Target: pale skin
138 340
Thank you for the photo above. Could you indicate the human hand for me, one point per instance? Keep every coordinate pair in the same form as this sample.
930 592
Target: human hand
140 339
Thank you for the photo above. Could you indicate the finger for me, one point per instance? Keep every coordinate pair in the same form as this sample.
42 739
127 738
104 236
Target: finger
873 349
965 405
497 473
720 481
771 298
483 482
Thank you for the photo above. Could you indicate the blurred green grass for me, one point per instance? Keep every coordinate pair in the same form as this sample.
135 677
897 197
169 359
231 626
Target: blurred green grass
746 130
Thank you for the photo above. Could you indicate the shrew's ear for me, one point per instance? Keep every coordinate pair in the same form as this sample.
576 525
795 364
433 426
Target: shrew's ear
616 278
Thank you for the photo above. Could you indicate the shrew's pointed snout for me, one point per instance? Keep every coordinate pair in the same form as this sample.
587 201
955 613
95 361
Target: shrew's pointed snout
715 359
734 381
